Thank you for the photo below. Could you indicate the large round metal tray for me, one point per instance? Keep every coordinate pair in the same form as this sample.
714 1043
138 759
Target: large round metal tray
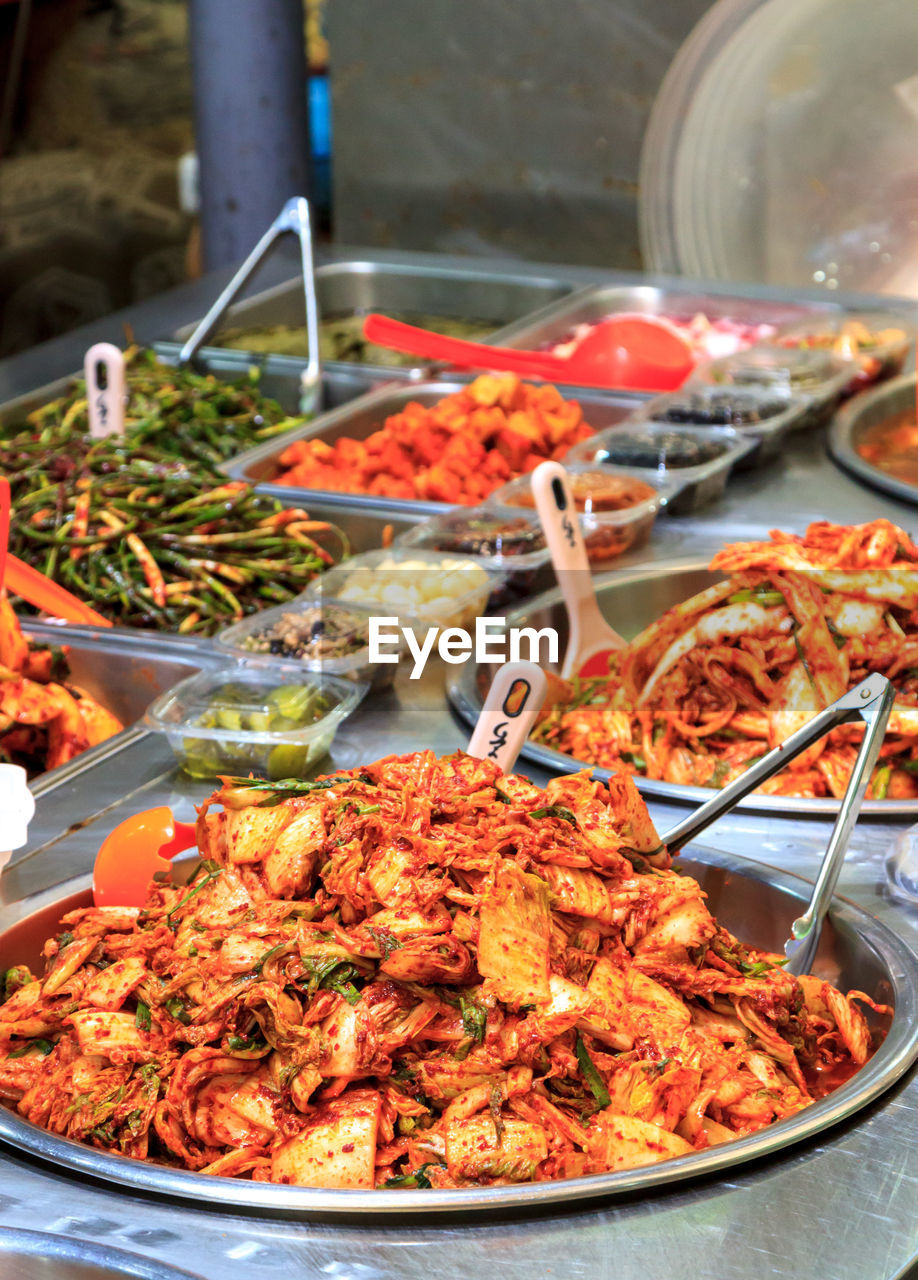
864 411
631 600
755 902
41 1255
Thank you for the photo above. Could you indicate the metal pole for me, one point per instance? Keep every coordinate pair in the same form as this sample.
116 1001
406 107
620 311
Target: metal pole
251 118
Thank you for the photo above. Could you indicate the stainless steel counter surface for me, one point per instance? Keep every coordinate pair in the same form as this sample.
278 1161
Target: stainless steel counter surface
843 1207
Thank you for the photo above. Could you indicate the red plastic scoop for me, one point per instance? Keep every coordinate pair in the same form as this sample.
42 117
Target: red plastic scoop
639 353
132 854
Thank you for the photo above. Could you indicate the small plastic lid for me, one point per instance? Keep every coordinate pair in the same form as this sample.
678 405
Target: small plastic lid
704 405
496 540
813 373
644 445
410 583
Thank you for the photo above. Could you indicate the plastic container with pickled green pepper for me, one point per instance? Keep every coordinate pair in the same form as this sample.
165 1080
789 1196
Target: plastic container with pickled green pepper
268 718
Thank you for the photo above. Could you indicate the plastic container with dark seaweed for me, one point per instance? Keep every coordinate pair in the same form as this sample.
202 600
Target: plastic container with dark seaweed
697 460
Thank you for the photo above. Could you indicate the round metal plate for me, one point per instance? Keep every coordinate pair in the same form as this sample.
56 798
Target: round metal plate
864 411
631 600
754 901
38 1255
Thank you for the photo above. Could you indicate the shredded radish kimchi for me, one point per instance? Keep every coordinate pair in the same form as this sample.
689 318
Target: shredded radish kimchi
719 680
420 973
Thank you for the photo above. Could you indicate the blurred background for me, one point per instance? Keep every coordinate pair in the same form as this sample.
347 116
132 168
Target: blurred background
749 140
472 127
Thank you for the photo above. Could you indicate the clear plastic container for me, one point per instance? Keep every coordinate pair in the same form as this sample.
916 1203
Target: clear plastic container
878 342
818 377
321 635
513 545
696 460
414 585
609 529
763 415
260 716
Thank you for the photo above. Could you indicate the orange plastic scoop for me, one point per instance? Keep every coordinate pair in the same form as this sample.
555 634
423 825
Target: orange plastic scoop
133 853
640 353
23 580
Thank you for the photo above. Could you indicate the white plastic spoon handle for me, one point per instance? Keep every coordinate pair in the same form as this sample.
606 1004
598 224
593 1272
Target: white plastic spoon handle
103 367
513 702
554 500
17 809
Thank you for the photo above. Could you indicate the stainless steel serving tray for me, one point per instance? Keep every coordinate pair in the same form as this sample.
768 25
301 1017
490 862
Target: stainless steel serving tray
862 412
631 600
280 380
361 417
122 669
41 1255
497 295
554 322
754 901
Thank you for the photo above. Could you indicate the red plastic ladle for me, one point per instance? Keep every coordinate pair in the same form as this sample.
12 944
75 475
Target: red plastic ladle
131 855
634 352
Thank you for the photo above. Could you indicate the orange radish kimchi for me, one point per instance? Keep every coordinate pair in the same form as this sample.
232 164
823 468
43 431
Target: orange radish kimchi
420 973
722 678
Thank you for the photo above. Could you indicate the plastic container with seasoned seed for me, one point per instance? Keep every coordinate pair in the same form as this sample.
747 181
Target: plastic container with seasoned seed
618 506
764 415
269 718
417 586
697 460
322 635
877 341
818 377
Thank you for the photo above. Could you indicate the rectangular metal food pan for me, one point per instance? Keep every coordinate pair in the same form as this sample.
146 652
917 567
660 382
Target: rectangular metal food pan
362 417
554 323
280 380
498 297
121 669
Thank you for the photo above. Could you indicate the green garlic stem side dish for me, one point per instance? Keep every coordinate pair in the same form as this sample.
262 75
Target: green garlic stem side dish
148 540
170 412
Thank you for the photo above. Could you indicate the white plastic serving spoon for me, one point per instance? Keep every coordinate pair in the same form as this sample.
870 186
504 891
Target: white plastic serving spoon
590 638
513 702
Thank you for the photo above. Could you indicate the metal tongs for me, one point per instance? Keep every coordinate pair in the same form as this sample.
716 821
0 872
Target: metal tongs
870 701
294 217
